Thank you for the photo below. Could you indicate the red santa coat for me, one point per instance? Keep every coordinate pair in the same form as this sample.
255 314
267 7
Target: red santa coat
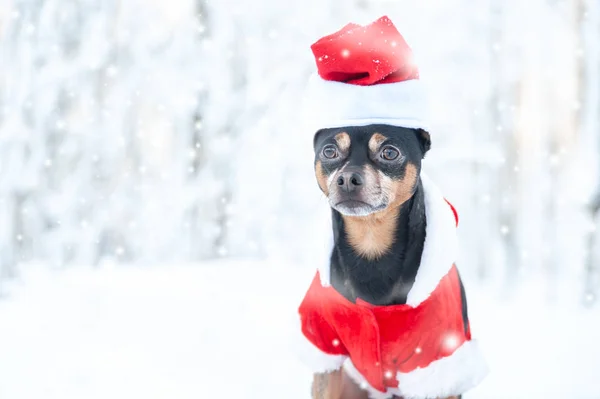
420 349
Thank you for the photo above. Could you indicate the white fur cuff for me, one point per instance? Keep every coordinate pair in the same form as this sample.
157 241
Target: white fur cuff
449 376
314 358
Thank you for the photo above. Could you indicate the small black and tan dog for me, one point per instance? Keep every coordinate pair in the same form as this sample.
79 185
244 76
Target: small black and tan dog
371 177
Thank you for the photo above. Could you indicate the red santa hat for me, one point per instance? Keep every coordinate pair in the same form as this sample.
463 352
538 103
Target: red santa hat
366 75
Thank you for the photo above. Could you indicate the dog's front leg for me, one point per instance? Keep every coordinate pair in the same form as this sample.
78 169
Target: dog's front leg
336 385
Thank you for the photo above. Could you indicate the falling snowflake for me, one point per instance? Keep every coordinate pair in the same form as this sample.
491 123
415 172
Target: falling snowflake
450 342
30 29
589 298
111 71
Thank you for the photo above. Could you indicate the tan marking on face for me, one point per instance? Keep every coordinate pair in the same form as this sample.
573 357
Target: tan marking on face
371 178
343 141
402 190
321 178
375 141
372 236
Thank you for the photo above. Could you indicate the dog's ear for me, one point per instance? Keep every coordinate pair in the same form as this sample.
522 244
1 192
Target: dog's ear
316 137
424 140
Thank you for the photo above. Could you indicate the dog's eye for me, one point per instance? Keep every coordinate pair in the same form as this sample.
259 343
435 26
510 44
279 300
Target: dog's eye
330 151
389 153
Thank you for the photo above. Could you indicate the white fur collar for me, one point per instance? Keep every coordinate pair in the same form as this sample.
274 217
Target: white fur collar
439 251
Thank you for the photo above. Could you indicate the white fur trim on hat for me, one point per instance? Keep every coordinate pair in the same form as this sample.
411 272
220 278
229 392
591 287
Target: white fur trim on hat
334 104
449 376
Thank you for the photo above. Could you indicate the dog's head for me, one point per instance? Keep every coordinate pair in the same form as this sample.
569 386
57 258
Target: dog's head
364 170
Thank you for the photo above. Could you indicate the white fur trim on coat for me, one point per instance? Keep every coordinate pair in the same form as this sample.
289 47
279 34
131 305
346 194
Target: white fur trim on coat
335 104
314 358
449 376
440 249
325 266
452 375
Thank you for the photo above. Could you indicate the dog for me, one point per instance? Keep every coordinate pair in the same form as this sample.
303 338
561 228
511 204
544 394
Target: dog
386 314
371 176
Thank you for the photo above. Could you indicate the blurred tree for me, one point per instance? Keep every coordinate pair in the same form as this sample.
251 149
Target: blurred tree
589 31
159 132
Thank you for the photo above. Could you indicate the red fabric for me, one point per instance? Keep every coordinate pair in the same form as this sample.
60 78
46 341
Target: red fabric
453 211
384 340
365 55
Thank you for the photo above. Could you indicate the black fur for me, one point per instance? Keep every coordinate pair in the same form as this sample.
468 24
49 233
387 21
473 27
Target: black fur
424 140
387 280
465 312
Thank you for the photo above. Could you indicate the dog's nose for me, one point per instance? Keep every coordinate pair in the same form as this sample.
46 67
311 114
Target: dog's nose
350 181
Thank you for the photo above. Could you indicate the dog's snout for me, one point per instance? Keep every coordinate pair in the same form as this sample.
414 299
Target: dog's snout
350 181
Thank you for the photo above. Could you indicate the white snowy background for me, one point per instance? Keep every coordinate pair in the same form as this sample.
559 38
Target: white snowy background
159 218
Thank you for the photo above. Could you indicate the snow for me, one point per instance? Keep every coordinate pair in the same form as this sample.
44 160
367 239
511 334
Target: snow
221 329
157 133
